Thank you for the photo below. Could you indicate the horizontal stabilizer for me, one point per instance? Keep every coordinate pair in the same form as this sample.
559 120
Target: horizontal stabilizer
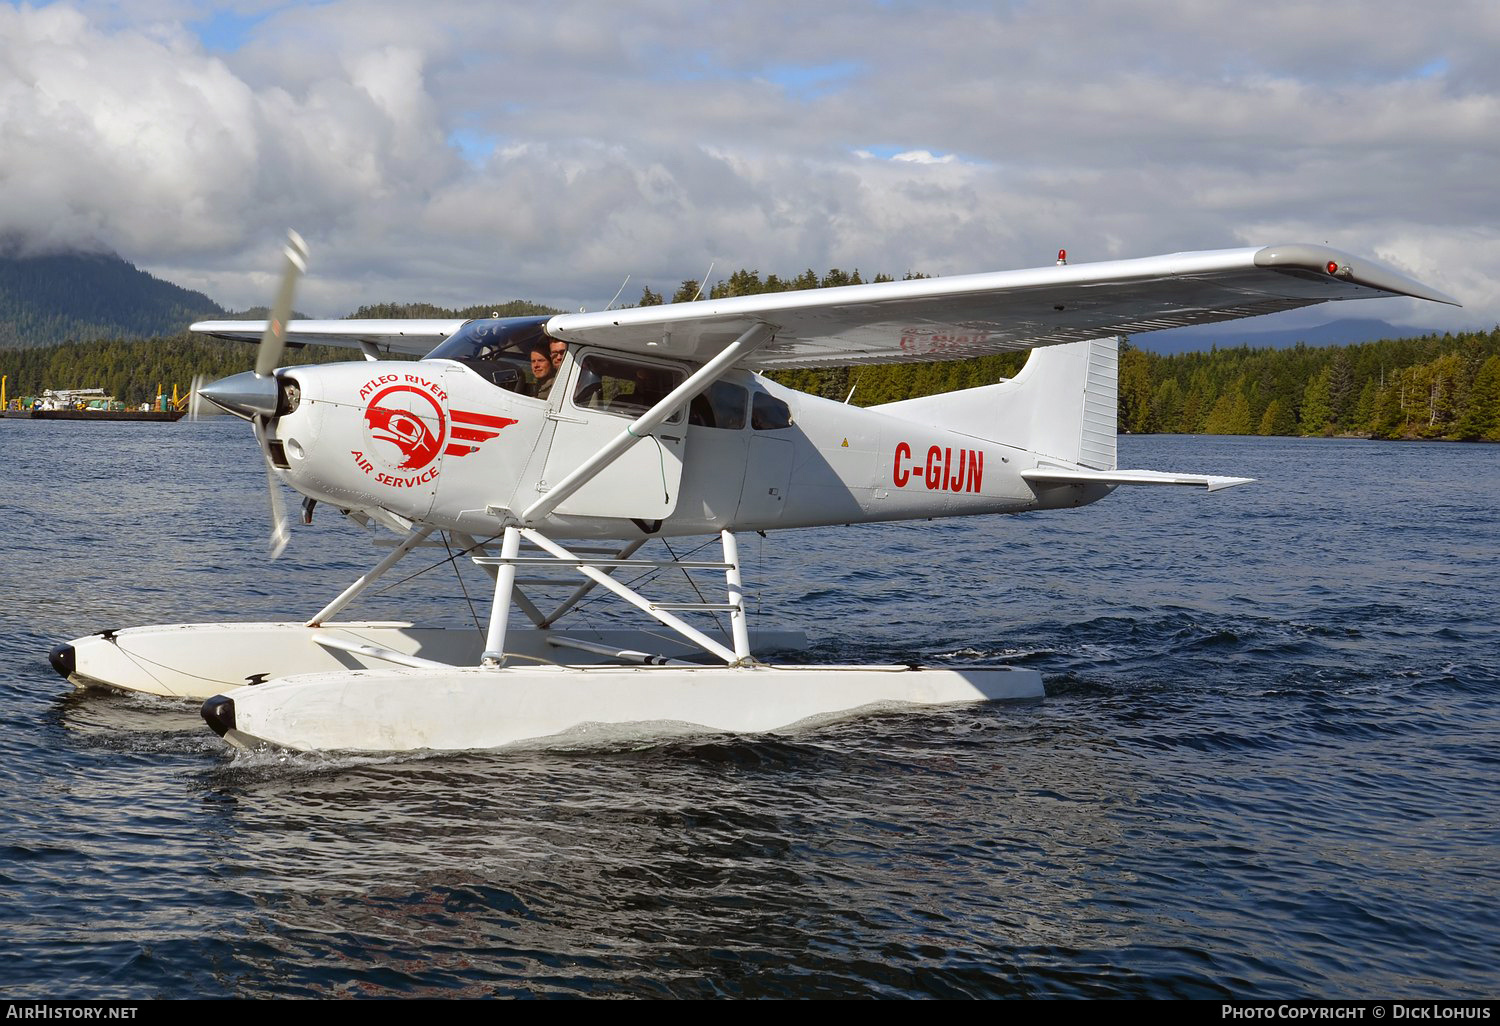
1057 476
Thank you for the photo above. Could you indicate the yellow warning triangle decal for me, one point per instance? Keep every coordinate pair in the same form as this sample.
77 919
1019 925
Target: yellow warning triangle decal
845 445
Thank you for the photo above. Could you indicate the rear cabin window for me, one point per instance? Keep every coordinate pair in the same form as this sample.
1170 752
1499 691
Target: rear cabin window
722 406
767 413
623 387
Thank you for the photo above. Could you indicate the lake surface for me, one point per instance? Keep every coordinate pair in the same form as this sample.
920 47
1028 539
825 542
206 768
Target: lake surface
1268 765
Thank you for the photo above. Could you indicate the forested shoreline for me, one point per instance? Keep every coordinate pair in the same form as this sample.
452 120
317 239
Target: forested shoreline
1434 386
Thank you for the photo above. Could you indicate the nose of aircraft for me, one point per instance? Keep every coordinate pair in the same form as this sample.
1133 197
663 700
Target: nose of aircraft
246 395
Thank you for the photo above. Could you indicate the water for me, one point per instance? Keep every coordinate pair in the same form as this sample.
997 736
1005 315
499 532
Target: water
1267 765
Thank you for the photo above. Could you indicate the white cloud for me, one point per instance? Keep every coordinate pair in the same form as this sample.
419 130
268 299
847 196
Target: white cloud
923 157
466 153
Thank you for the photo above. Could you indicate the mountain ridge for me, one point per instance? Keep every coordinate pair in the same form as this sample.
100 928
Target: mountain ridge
51 298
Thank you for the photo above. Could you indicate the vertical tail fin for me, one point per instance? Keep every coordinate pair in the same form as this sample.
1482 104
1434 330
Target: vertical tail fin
1062 405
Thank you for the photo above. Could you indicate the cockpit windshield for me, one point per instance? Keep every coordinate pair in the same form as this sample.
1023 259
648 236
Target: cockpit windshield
497 349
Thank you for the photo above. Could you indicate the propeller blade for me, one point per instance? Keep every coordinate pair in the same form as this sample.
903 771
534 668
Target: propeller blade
273 341
281 531
255 396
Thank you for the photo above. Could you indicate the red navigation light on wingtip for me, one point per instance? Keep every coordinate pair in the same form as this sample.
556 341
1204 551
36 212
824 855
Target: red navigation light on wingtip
1062 257
1333 267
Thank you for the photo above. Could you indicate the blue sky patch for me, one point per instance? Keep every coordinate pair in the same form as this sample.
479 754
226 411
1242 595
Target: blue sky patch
811 82
475 146
1433 68
227 31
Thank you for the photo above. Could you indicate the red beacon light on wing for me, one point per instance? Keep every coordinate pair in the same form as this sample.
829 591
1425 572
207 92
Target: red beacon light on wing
1062 258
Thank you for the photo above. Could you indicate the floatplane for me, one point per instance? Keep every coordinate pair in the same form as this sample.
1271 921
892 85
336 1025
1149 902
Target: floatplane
561 445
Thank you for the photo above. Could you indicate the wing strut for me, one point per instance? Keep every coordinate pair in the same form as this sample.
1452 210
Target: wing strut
753 338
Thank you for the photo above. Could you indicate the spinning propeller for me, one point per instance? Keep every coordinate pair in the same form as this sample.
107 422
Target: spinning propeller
257 395
195 399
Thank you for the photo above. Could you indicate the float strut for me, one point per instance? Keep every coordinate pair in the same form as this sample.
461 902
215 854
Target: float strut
652 609
414 538
738 627
583 589
505 582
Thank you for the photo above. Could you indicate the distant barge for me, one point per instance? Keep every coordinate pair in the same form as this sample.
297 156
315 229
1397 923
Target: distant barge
89 404
166 415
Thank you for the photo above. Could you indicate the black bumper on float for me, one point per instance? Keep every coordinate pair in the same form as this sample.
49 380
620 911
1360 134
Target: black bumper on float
218 713
64 660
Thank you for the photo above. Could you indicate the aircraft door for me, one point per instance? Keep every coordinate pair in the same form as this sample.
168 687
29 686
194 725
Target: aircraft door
768 473
608 392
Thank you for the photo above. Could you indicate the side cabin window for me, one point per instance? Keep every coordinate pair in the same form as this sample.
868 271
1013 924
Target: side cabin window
767 413
622 386
498 350
722 405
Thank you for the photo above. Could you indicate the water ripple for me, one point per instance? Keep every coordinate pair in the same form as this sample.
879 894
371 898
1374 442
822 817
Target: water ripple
1266 766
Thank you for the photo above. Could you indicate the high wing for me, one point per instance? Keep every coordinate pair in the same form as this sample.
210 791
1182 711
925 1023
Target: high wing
977 314
415 337
935 318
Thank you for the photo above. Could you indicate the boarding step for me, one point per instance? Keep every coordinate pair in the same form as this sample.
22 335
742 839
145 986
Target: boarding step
658 564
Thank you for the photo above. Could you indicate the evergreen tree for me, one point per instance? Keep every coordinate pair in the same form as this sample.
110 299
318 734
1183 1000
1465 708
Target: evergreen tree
1341 393
1317 411
1389 418
1480 420
1167 406
1278 419
1135 412
1363 417
1230 416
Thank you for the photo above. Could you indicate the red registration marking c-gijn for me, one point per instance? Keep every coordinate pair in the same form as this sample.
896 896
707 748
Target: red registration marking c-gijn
945 470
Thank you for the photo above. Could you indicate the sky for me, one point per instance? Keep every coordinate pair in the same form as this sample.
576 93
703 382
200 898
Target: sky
463 153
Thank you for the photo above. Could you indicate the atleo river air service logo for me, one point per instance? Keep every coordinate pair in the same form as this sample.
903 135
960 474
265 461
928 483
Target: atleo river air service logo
407 427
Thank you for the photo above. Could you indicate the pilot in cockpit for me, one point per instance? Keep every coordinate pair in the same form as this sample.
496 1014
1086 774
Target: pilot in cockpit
544 370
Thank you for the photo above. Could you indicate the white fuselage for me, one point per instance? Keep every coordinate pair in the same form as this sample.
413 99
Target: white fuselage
434 442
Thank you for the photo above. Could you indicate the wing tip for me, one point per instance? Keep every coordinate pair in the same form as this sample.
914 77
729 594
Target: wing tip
1308 258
